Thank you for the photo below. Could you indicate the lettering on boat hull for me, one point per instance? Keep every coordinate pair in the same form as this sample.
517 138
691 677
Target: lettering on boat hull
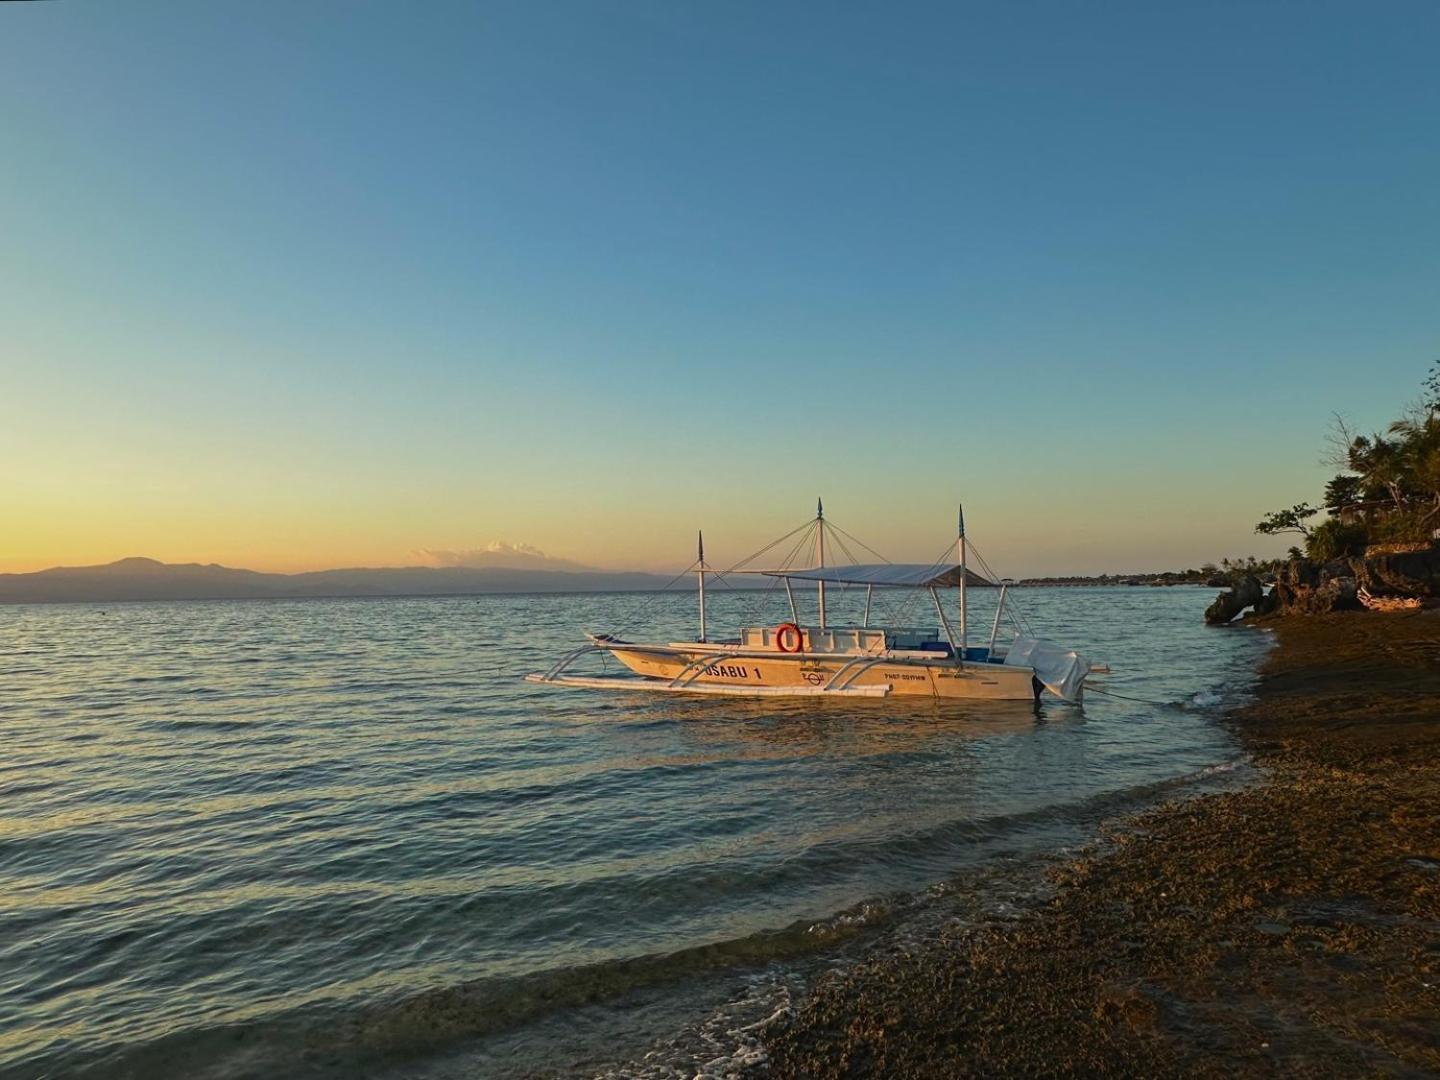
730 671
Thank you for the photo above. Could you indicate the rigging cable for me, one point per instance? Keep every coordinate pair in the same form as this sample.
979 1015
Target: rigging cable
1130 697
653 598
857 540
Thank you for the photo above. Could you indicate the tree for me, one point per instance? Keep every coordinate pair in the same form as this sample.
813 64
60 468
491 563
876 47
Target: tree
1399 470
1284 521
1380 461
1343 491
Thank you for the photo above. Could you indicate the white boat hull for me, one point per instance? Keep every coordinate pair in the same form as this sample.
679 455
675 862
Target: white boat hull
660 686
802 675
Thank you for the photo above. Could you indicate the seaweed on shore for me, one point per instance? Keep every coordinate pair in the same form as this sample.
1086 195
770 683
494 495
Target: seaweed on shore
1293 927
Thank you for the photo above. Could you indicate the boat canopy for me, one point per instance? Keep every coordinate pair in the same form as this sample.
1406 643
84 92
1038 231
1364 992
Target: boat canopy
894 575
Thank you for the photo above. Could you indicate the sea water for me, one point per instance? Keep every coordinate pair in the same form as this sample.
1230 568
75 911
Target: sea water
315 837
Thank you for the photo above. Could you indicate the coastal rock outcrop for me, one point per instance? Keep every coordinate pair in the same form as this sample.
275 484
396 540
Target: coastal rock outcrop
1400 573
1245 593
1333 594
1267 604
1306 588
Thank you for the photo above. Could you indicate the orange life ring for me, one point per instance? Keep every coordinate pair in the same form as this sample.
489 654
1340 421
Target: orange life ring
781 631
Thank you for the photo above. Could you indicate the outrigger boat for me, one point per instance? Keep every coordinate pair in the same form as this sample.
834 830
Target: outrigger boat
798 660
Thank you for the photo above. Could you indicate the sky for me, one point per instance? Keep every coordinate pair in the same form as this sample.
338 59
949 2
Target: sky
292 286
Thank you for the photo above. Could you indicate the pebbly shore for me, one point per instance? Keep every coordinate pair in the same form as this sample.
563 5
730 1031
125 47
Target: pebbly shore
1289 928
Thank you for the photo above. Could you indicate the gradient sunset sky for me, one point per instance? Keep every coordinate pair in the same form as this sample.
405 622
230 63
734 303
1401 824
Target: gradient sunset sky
299 285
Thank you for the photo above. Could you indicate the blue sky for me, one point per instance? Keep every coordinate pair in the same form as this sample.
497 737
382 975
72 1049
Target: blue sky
296 285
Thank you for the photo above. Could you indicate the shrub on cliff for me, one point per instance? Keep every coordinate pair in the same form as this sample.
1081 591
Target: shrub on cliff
1401 527
1333 539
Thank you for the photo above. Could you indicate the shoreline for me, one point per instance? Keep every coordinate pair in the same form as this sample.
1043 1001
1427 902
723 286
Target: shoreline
1290 926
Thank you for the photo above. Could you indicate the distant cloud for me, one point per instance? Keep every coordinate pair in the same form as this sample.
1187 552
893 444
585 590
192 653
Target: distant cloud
501 555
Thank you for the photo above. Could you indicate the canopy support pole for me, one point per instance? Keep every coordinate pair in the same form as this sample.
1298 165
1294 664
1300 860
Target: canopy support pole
995 627
945 622
790 593
869 592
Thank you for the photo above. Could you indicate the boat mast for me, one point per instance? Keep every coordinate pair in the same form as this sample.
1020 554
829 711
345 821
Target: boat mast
700 572
960 545
820 535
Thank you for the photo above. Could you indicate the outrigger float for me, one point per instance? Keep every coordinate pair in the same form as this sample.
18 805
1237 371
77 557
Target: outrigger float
823 661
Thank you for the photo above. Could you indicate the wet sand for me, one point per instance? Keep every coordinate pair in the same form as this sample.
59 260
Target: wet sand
1289 928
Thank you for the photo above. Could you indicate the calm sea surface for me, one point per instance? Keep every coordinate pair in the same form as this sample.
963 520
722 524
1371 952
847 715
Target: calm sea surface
343 837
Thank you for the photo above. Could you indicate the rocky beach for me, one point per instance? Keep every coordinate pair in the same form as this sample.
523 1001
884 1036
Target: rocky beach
1288 928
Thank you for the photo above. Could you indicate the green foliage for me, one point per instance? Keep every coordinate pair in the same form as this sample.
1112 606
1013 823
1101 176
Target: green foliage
1343 491
1333 539
1380 463
1423 461
1404 527
1292 520
1391 483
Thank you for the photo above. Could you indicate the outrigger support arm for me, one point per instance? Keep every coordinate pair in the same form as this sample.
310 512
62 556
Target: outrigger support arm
849 671
693 670
568 659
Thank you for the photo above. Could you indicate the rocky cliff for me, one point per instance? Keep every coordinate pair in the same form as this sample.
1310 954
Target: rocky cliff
1303 587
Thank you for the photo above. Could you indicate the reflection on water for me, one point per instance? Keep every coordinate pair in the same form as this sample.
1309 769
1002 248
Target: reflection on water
244 837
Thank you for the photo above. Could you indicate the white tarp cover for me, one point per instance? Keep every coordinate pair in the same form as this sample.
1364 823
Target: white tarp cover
1062 670
912 575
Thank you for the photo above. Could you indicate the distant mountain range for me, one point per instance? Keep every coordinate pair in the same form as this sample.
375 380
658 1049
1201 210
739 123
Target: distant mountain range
147 579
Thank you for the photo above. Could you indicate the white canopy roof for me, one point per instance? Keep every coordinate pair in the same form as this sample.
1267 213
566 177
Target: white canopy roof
898 575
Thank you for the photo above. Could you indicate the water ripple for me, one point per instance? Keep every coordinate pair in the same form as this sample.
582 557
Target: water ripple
238 838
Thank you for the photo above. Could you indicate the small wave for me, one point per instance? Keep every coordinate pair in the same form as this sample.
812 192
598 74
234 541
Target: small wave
179 724
1222 768
850 920
334 1040
728 1041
